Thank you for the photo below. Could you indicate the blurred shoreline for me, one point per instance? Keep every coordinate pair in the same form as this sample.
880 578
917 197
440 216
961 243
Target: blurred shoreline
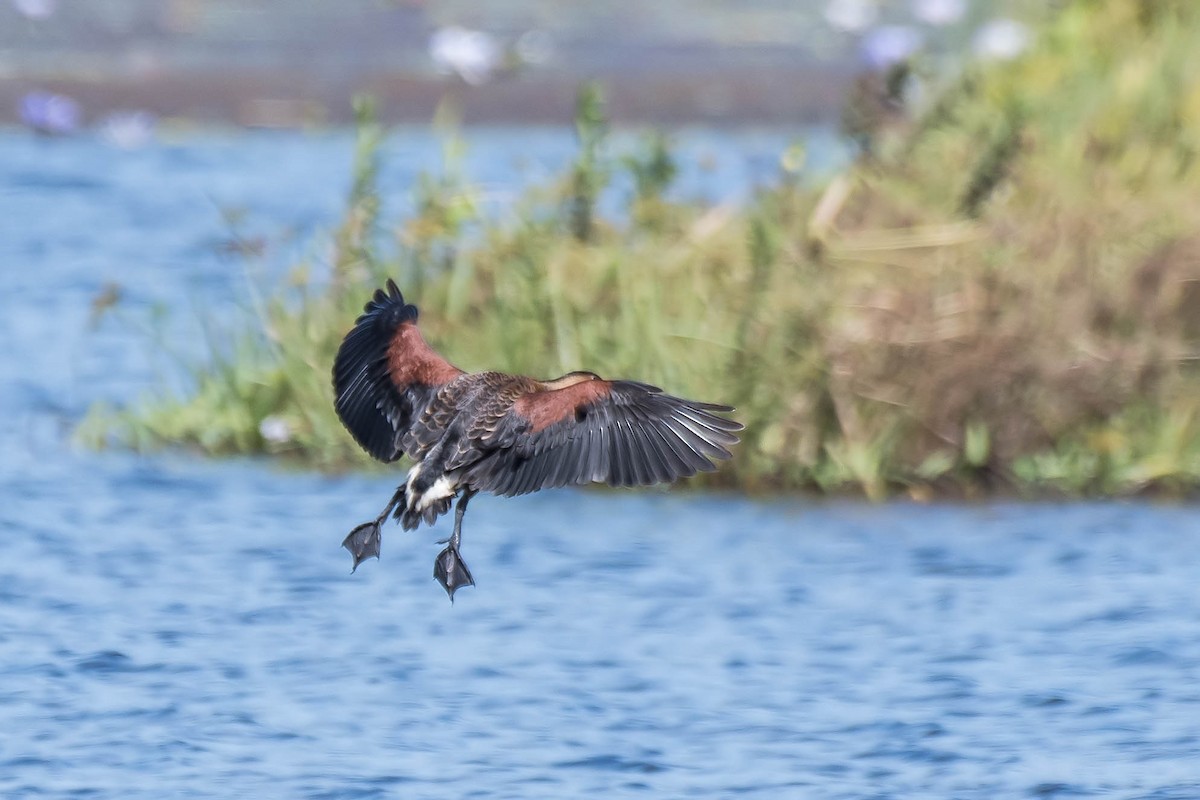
269 98
275 64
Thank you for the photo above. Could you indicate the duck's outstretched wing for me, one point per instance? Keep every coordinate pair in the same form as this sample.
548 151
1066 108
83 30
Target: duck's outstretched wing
385 373
578 430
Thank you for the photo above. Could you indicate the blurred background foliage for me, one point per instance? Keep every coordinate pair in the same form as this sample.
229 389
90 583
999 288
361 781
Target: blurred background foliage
1001 293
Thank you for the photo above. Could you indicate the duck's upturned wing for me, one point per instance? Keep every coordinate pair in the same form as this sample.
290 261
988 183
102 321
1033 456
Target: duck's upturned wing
622 433
385 373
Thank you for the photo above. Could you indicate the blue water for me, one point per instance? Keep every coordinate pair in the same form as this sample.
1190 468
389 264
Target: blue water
173 627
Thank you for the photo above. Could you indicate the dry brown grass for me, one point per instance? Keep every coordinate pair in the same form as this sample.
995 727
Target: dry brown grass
1006 297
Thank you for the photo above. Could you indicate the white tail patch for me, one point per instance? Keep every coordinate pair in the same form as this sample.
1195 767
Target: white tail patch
412 476
442 488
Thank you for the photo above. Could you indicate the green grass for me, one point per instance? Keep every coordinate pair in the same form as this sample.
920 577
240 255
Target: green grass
1005 297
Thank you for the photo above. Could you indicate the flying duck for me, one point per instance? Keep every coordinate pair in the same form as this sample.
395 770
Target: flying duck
471 432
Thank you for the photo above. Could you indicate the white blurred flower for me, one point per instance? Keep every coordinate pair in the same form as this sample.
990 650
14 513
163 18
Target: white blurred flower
1001 40
794 158
35 9
535 47
472 55
887 45
128 129
275 430
851 15
939 12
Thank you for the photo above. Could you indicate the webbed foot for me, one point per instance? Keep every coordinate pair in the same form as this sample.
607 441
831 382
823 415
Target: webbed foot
451 571
363 542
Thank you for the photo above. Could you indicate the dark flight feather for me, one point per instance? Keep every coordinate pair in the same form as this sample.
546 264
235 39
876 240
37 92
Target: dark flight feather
509 434
384 374
623 433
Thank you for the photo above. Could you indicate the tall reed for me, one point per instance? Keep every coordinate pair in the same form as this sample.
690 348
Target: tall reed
1005 296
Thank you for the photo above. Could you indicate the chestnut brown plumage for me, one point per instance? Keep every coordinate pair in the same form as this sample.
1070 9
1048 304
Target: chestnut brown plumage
500 433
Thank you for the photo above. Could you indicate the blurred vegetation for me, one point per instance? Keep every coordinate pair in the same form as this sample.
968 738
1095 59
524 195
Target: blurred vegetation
1004 295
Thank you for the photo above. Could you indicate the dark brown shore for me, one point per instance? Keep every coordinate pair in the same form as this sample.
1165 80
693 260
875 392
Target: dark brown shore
266 98
276 64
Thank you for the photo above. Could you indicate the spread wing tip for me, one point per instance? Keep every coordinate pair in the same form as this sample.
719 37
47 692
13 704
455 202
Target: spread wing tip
367 400
389 301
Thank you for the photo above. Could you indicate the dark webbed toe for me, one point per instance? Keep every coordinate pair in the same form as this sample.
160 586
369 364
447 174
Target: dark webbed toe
452 572
363 542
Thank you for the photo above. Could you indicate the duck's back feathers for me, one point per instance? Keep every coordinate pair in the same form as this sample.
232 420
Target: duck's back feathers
582 428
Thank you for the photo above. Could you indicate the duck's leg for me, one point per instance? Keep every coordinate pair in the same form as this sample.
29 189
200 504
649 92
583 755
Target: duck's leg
363 541
449 568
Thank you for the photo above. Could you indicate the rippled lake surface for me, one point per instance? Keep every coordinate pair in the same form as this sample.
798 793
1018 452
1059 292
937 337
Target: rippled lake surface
173 627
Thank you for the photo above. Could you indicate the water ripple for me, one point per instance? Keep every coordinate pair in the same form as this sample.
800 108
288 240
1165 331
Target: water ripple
174 628
613 763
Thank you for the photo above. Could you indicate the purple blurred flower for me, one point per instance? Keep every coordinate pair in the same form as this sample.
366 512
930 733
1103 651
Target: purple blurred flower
46 112
35 9
887 45
1001 39
939 12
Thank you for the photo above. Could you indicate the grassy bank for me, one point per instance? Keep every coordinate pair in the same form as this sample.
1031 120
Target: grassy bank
1006 296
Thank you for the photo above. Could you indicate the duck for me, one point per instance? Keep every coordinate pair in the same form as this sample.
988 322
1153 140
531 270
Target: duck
499 433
